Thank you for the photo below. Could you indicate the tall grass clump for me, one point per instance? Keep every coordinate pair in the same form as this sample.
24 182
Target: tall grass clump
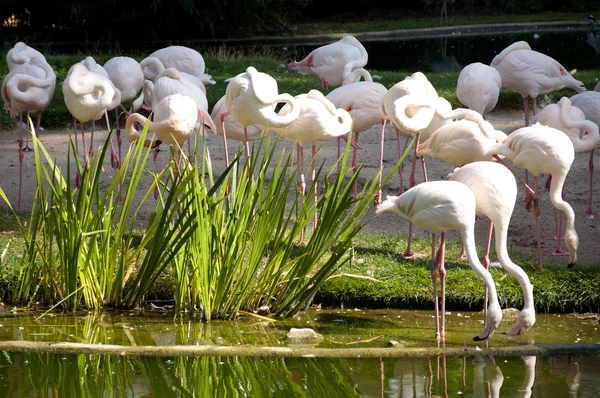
231 242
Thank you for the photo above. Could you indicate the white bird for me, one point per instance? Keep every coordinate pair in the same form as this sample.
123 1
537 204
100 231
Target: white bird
414 107
589 103
251 98
531 73
234 130
478 87
88 95
28 87
21 54
463 141
127 76
182 58
174 120
583 134
439 206
495 190
544 150
333 62
318 119
363 101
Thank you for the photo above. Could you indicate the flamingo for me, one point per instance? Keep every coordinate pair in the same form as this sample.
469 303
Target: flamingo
28 87
582 133
174 120
439 206
363 101
531 73
92 102
589 103
21 54
127 76
414 108
234 130
184 59
251 98
318 119
495 190
333 62
88 95
478 87
463 141
544 150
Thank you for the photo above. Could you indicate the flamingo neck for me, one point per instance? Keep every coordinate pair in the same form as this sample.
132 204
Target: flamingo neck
470 249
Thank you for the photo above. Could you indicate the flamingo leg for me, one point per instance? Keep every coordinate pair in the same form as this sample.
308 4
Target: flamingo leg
119 140
590 213
37 123
354 168
92 140
378 197
408 253
21 157
441 254
222 119
115 161
433 271
526 109
400 169
412 169
339 153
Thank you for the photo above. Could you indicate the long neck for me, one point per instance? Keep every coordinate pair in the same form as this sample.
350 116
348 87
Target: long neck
131 133
501 232
591 138
406 124
364 57
356 74
275 120
484 274
556 187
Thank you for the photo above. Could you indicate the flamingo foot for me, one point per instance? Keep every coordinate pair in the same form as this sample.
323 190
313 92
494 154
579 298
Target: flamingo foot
409 255
590 214
560 252
377 198
530 200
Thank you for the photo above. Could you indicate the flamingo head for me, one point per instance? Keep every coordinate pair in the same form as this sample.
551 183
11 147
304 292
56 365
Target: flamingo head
572 243
524 322
492 321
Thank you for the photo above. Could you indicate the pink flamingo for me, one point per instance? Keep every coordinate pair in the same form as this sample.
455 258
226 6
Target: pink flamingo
439 206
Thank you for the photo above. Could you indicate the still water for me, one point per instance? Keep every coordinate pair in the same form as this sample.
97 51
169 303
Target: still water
451 54
44 374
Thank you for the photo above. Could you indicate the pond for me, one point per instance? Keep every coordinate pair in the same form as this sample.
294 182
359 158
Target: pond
24 373
452 53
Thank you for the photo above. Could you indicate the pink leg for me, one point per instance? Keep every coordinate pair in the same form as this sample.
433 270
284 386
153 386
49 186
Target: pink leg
440 261
37 124
378 197
401 168
300 161
21 157
589 212
155 157
92 139
424 168
340 154
119 140
433 271
536 212
246 147
114 160
412 170
222 118
354 167
526 108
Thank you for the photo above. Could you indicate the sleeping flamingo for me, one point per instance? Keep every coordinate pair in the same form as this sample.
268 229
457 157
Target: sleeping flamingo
333 62
439 206
28 87
478 87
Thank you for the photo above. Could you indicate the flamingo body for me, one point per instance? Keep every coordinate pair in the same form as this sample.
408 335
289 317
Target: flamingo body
29 86
440 206
182 58
478 87
495 191
333 62
127 76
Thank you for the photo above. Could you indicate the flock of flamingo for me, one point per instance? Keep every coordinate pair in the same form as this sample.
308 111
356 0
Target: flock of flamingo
171 82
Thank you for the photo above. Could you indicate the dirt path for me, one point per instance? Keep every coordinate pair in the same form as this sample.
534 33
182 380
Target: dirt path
521 232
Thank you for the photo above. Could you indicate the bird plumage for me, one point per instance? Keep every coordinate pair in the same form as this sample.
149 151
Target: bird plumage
478 87
333 62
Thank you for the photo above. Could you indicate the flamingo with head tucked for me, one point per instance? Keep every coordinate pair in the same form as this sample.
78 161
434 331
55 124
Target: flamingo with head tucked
21 54
333 62
478 87
439 206
28 87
